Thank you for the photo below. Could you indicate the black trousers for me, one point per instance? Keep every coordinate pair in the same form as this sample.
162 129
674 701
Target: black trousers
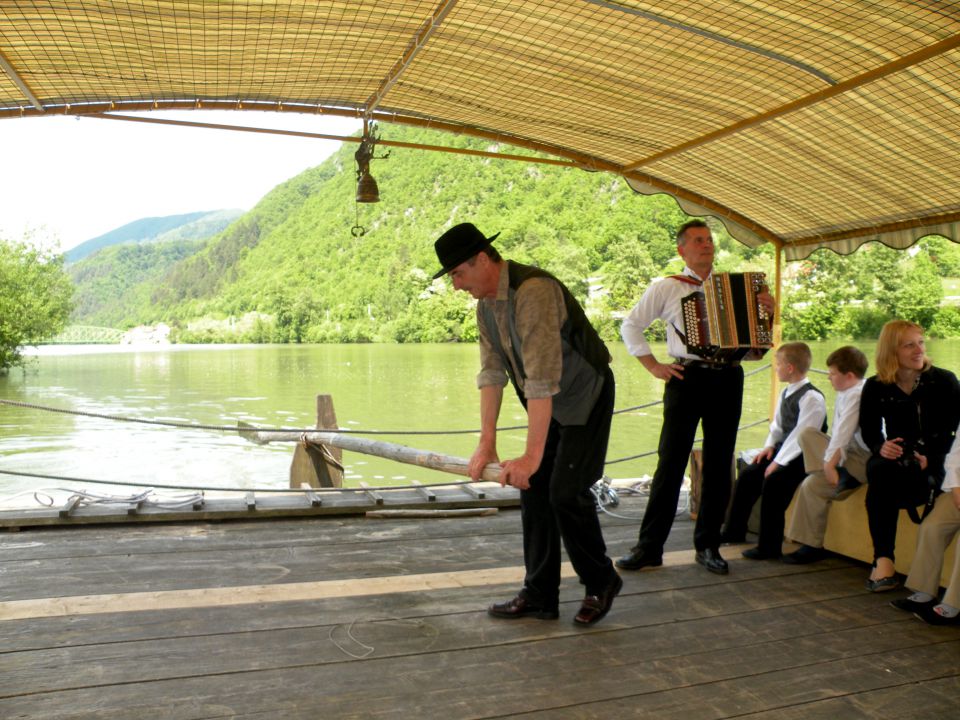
775 493
559 507
891 487
715 398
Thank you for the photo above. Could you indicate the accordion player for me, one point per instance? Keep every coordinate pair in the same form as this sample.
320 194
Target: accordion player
725 322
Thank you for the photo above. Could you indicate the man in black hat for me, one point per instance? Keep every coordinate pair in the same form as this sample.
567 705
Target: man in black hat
535 333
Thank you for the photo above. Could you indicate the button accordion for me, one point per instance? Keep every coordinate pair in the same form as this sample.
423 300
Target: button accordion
724 321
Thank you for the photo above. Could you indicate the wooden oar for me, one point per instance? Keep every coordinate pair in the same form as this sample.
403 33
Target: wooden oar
391 451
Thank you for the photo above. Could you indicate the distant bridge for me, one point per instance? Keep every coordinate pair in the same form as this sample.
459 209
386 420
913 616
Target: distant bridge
87 335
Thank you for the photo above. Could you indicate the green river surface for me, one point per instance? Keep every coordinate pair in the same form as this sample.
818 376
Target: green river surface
374 387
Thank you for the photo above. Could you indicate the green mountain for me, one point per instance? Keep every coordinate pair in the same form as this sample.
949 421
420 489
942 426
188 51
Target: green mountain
156 229
298 268
308 264
113 281
114 284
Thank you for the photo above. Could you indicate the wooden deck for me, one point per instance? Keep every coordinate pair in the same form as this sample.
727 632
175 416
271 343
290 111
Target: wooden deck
350 617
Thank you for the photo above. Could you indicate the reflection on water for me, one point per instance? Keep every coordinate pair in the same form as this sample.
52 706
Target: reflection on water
374 387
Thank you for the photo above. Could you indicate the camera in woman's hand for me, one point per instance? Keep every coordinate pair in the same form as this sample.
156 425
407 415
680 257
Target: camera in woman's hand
909 457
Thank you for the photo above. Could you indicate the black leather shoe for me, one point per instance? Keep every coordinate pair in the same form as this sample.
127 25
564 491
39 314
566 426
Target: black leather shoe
729 538
912 605
805 555
846 485
520 607
595 607
637 560
930 616
711 560
755 553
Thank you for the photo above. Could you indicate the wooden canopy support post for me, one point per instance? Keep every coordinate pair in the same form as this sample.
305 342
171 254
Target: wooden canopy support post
314 464
777 325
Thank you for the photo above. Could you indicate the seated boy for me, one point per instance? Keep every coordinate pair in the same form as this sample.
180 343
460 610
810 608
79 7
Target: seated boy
936 532
827 458
777 470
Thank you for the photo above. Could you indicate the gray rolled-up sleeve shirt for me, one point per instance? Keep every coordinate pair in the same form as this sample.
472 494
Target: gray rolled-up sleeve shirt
539 314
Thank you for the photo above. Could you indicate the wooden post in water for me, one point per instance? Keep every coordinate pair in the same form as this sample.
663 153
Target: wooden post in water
314 464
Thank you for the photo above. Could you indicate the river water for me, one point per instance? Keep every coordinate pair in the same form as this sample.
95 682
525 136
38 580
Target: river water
374 387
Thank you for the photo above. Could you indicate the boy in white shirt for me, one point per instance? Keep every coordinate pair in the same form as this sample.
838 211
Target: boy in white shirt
778 469
836 464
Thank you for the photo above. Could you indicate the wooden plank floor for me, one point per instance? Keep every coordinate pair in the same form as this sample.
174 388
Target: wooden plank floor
361 618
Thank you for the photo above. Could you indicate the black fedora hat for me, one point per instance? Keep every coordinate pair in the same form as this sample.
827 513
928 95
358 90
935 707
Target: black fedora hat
459 244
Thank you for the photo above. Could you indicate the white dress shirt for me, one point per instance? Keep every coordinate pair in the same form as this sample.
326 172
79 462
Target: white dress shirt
845 431
660 301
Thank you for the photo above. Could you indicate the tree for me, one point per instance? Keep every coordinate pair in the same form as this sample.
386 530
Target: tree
920 293
35 298
814 297
944 253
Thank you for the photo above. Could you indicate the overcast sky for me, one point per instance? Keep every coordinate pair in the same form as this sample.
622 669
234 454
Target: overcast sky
73 178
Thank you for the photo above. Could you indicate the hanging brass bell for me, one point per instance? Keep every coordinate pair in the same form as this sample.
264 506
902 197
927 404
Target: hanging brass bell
367 190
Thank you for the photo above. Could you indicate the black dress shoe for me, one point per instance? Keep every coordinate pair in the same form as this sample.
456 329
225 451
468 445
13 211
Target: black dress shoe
711 560
930 616
806 554
520 606
594 607
846 485
636 560
756 553
912 605
729 538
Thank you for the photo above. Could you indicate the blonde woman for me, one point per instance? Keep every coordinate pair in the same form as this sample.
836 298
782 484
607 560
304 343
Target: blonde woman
909 413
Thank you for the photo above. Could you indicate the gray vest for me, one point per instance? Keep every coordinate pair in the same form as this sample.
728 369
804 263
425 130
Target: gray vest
585 357
790 410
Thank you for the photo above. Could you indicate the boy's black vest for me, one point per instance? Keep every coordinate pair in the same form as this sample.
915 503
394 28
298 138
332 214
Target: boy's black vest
789 410
585 358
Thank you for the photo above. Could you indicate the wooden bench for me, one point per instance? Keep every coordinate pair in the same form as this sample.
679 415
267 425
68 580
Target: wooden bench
848 534
847 531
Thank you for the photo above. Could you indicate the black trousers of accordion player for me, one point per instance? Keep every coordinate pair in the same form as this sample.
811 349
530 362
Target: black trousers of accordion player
713 395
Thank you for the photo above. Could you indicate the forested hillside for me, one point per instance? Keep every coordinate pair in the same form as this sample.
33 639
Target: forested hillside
117 271
291 270
114 284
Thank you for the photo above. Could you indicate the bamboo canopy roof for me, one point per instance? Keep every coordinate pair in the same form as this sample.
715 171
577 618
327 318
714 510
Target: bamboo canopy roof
813 123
